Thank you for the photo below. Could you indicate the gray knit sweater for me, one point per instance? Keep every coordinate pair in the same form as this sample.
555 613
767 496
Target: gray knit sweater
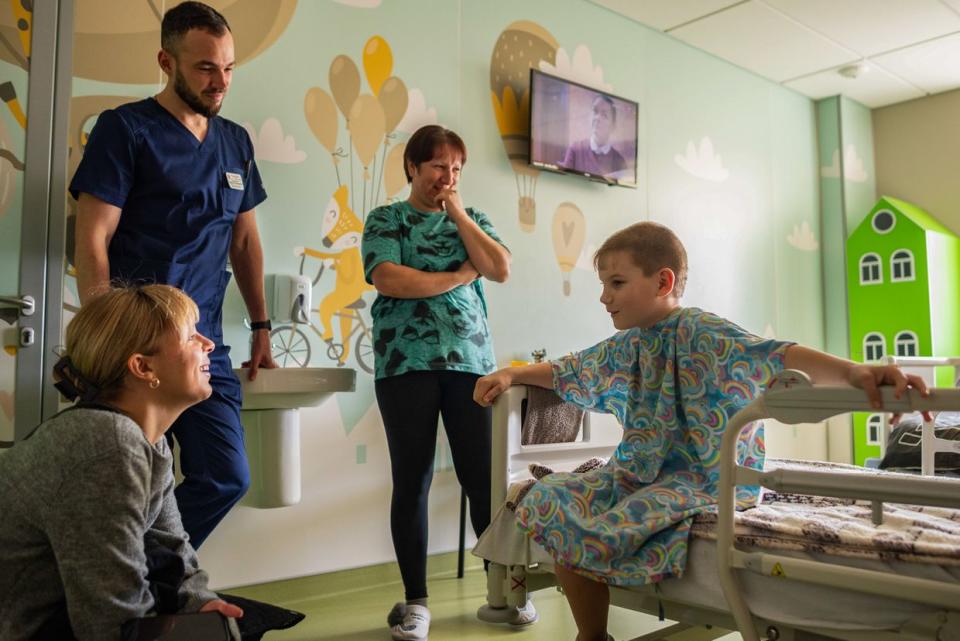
81 501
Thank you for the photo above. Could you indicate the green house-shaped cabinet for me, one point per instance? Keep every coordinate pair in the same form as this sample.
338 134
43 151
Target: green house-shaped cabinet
903 278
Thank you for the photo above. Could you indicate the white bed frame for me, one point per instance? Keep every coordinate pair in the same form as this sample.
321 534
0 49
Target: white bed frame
930 445
790 400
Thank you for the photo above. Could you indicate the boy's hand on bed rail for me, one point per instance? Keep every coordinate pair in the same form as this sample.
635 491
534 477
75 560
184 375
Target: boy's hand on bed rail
870 377
491 386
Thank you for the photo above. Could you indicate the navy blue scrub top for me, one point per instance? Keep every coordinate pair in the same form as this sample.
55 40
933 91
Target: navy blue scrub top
179 198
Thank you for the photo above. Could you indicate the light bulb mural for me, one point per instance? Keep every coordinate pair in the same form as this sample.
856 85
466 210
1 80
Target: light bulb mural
522 45
569 232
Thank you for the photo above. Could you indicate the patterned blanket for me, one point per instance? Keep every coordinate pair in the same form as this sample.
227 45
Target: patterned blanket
843 527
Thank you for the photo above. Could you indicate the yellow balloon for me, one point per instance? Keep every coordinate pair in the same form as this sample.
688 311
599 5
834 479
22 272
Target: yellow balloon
394 178
321 115
344 83
393 98
377 62
367 127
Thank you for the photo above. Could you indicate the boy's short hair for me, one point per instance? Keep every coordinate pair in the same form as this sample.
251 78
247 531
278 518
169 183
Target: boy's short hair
652 247
180 19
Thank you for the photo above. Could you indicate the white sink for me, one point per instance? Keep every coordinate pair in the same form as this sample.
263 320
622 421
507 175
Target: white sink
294 387
271 420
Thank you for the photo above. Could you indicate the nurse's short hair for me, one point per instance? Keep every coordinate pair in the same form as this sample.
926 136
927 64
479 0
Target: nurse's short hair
113 326
651 246
425 142
186 16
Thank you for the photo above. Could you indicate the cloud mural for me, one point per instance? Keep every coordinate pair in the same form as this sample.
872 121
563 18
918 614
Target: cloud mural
802 238
853 168
271 144
418 113
579 69
702 162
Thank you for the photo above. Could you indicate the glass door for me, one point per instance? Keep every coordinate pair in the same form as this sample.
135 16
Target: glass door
34 87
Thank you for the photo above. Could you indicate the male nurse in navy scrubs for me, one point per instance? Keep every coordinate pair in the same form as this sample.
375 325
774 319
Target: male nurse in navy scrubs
166 191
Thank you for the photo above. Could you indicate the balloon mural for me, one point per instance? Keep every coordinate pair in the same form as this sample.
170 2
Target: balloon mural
374 158
521 45
569 232
371 121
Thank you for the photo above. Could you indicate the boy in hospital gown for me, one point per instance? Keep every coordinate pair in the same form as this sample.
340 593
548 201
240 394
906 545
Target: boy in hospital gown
673 377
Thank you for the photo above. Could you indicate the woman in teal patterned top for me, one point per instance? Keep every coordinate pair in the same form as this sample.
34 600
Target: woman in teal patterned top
673 377
426 256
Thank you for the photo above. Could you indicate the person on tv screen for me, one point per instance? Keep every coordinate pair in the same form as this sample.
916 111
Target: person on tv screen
595 155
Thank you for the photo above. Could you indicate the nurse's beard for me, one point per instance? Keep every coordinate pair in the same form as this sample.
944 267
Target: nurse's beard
191 99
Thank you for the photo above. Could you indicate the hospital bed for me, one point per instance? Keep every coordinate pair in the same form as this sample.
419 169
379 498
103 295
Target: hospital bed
779 595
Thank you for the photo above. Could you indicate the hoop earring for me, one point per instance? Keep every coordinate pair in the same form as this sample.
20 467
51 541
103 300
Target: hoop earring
154 383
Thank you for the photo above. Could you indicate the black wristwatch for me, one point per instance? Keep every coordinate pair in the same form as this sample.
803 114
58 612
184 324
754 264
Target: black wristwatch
264 324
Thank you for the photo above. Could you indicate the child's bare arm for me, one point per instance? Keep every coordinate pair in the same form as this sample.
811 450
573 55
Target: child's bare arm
491 386
828 369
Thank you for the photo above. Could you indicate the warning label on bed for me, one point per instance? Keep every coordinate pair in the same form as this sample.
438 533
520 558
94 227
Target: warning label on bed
777 571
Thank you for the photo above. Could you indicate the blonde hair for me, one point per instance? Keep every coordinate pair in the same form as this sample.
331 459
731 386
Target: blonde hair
113 326
651 247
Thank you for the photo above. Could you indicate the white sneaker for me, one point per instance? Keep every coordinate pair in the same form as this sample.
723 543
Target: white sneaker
415 624
395 616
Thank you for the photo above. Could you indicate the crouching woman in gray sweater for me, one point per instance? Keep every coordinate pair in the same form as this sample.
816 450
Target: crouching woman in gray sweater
88 520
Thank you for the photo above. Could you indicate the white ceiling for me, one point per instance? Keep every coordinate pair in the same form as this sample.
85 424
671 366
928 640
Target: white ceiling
909 48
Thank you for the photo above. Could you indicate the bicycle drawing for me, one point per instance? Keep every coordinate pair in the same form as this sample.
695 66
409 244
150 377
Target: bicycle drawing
290 343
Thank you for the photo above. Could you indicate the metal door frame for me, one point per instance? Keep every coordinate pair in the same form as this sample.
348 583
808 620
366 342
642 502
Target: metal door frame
43 226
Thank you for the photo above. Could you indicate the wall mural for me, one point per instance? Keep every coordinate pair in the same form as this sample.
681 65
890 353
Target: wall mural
853 167
569 233
521 45
702 162
369 172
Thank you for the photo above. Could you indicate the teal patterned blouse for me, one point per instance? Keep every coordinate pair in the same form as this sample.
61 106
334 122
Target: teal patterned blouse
444 332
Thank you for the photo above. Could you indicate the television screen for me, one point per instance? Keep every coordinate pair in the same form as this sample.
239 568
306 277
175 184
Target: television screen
583 131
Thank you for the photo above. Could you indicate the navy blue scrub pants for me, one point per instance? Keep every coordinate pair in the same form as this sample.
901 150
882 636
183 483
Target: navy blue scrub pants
410 405
213 459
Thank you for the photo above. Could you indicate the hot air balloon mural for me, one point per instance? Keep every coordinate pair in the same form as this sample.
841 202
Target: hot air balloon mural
521 45
569 232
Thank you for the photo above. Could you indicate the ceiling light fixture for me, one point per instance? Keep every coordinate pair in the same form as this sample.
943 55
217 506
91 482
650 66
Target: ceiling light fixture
854 70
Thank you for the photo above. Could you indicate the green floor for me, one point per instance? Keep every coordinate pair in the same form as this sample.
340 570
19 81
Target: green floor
352 606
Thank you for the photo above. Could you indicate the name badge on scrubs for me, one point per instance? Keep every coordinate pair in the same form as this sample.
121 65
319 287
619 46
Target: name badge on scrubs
234 181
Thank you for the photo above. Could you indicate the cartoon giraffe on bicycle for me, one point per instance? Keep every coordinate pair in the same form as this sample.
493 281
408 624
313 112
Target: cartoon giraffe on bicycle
342 231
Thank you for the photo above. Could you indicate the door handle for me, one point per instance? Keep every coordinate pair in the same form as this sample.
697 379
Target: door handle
26 304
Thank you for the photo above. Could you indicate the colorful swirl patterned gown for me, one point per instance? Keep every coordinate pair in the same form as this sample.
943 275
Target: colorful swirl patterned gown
673 387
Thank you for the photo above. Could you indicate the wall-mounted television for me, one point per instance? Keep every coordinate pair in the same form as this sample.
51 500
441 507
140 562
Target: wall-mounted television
582 131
